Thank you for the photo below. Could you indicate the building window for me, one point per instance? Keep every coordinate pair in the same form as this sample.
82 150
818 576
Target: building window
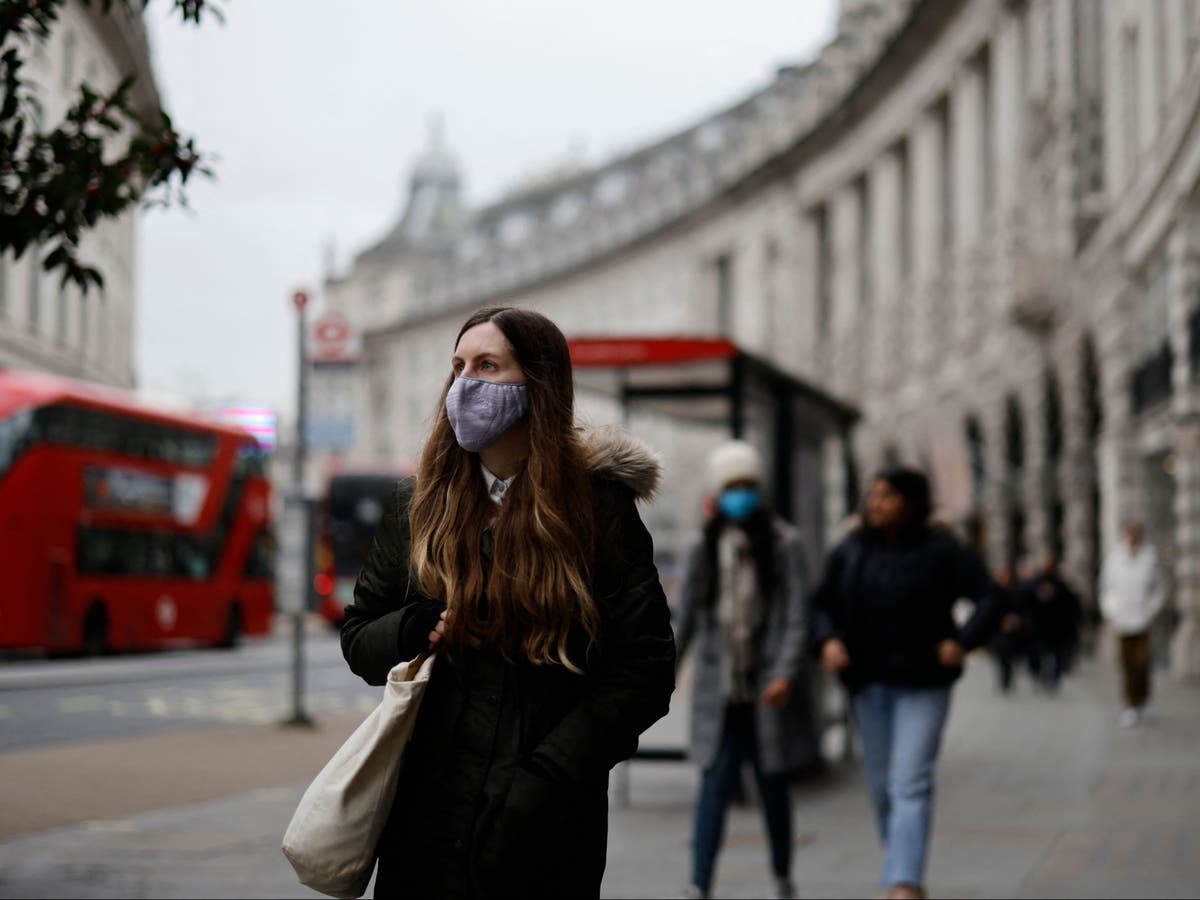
35 288
85 305
770 277
1054 425
1014 435
824 279
723 276
866 246
60 321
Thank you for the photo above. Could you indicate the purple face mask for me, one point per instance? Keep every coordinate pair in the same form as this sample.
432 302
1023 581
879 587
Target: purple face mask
481 411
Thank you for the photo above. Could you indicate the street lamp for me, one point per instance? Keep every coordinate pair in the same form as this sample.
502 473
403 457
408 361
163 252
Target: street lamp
296 523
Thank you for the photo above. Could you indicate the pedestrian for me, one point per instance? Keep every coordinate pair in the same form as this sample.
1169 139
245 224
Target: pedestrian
1133 591
883 620
1053 612
742 601
1008 645
518 554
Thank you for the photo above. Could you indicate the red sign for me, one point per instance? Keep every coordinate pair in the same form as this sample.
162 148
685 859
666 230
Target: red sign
642 351
300 300
332 340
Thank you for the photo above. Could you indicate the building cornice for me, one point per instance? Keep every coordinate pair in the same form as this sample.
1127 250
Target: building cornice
124 36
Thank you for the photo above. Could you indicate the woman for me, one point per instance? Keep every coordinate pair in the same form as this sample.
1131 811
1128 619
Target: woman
882 619
743 600
518 554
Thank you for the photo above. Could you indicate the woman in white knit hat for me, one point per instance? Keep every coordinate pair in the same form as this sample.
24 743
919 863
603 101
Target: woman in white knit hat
742 601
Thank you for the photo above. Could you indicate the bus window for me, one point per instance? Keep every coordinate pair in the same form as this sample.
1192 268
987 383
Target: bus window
14 437
261 562
351 512
115 551
95 430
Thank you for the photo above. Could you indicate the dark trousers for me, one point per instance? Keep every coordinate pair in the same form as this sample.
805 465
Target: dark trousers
1047 662
738 744
1135 667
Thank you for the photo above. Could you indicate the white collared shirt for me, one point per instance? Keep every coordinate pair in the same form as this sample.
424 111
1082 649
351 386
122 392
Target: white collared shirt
497 487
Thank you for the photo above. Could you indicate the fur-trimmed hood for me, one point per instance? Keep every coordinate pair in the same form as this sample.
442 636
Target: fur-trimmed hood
611 452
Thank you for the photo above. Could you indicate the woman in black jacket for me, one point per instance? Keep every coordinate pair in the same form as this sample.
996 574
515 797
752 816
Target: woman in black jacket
518 554
883 620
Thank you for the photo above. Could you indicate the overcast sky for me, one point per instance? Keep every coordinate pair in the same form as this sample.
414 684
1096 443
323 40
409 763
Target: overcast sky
316 111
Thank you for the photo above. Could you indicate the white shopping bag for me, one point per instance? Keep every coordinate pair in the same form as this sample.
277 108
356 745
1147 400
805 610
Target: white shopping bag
333 834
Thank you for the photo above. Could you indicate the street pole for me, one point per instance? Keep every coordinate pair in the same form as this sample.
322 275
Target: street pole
300 496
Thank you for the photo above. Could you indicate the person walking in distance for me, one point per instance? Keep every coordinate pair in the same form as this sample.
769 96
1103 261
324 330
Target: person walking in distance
1053 612
516 552
1133 591
742 602
1009 643
882 619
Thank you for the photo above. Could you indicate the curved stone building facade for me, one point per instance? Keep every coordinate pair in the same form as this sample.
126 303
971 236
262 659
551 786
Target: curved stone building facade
977 221
43 325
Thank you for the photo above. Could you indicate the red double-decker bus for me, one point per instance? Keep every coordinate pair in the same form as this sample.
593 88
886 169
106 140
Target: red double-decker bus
123 527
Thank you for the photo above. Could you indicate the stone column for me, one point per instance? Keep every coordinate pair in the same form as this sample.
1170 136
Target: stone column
925 158
1037 472
848 336
1008 115
1183 259
995 503
888 346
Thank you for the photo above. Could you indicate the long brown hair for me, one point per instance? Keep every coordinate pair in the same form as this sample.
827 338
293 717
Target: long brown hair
539 584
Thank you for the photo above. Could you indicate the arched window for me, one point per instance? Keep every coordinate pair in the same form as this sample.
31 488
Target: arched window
853 495
1053 412
1090 379
977 459
1014 434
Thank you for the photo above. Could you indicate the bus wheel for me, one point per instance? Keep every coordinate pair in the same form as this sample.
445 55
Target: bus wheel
95 630
233 627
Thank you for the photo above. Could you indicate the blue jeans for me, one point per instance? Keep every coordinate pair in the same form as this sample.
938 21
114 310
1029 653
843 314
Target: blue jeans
901 729
738 743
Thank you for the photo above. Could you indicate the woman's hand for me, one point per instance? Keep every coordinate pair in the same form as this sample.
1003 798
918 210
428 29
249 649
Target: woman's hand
950 653
834 656
777 694
438 630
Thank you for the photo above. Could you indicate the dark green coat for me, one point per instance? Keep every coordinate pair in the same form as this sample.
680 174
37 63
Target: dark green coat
503 789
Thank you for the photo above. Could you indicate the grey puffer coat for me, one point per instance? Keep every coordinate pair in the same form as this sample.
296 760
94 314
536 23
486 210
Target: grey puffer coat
779 625
503 788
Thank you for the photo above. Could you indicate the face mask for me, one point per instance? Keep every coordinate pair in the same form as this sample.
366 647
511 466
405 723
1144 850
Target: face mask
482 411
739 504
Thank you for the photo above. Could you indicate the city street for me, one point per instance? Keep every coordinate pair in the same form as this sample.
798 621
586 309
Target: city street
1038 797
45 702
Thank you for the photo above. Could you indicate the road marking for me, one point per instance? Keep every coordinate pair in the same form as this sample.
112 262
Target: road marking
119 825
82 703
158 706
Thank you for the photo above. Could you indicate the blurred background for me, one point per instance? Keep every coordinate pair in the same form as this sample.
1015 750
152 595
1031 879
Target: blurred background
960 234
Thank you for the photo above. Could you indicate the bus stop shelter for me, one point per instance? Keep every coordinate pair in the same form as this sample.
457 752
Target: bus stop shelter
710 380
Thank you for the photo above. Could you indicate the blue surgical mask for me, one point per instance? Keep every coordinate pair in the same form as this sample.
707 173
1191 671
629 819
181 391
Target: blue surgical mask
739 504
481 411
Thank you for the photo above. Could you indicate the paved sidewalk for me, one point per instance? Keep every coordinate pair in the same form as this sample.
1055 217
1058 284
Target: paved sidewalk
1038 797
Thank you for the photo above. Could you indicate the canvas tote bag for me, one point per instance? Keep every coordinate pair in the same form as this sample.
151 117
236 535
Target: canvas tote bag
333 834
